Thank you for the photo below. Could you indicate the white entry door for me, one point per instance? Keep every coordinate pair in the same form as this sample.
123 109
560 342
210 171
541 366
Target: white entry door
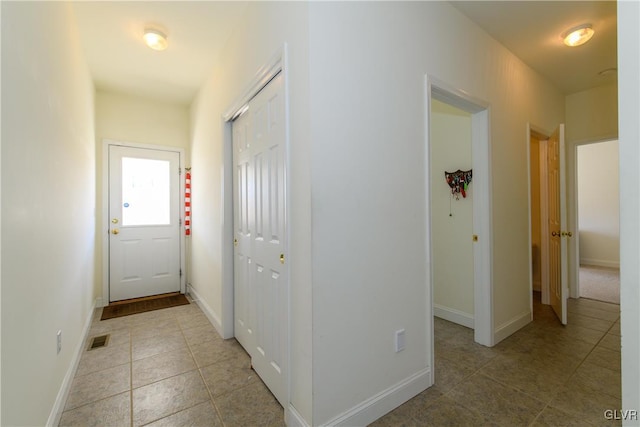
556 193
144 234
260 274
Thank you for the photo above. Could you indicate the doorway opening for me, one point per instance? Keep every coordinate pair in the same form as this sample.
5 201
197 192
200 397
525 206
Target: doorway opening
598 230
469 300
548 219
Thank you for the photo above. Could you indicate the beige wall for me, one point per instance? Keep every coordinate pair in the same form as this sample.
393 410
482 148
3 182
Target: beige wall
368 61
452 219
48 202
128 118
357 177
598 204
262 32
592 114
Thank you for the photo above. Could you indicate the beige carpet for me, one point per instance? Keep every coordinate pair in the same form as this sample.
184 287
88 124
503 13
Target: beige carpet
600 283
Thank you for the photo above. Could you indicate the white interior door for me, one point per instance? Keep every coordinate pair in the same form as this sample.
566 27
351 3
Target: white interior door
260 275
144 235
556 181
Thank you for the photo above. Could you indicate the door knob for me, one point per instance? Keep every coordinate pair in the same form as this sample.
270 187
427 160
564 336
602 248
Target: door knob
114 221
115 231
281 258
555 233
567 233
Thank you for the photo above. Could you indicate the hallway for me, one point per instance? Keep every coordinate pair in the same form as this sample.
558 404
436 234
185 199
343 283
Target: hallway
543 375
171 368
167 368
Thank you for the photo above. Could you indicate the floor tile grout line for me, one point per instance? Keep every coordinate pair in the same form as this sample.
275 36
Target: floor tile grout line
130 377
213 403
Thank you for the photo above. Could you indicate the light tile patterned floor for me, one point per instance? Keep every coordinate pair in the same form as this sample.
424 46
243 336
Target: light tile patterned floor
546 374
170 368
167 368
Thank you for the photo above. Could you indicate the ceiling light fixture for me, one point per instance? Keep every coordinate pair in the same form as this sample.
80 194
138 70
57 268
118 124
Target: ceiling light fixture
155 39
577 36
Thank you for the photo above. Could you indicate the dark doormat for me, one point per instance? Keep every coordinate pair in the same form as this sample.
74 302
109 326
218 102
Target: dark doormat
140 305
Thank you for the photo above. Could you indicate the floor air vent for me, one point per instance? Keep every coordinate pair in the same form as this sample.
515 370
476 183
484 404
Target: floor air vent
97 342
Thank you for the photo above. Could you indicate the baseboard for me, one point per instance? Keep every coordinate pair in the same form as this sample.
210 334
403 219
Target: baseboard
453 315
293 418
63 393
211 315
600 263
512 326
384 402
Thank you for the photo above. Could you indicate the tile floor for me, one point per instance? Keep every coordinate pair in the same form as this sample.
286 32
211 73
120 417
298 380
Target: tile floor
167 368
171 368
543 375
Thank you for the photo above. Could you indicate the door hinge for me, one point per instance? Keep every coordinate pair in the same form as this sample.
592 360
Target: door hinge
180 272
180 221
179 171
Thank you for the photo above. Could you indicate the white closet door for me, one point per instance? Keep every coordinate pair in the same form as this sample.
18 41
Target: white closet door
261 282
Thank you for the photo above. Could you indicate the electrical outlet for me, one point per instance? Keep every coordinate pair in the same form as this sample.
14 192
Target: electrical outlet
59 341
400 340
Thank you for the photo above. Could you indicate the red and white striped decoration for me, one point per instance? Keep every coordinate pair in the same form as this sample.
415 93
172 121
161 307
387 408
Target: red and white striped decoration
187 203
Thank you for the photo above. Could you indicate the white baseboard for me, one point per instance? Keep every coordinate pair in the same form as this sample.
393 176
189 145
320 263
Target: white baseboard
211 315
513 325
386 401
63 393
293 418
600 263
453 315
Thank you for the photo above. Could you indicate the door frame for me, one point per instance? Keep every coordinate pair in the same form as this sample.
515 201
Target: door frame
543 137
482 203
573 246
275 65
106 225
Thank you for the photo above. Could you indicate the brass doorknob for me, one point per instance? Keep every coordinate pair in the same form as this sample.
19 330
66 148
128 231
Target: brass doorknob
281 258
114 221
115 231
567 233
555 233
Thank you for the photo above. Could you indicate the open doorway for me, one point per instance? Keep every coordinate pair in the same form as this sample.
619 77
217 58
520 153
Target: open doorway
459 204
598 198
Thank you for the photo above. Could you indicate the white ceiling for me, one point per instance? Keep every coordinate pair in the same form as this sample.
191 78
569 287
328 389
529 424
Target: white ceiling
532 29
111 35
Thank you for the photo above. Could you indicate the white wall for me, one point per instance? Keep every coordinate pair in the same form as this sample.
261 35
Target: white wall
367 63
629 127
453 284
129 118
592 114
598 204
357 246
48 202
262 32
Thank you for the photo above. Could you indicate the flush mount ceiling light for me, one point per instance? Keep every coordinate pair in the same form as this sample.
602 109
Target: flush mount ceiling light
155 39
577 36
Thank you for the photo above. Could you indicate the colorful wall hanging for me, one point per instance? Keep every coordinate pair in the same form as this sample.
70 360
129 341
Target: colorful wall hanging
459 182
187 202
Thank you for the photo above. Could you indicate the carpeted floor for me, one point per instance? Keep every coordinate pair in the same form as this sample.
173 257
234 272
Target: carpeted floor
600 283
